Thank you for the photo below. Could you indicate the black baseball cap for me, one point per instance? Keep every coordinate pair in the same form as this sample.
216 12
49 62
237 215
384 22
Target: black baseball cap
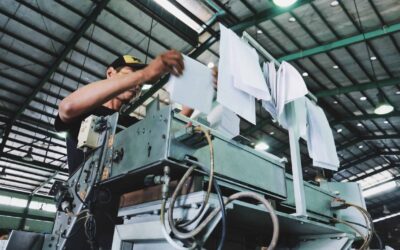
128 60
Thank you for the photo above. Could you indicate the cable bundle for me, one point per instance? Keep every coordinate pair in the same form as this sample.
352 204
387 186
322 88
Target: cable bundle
190 235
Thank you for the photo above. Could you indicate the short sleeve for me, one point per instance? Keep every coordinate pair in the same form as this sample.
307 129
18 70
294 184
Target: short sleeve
59 125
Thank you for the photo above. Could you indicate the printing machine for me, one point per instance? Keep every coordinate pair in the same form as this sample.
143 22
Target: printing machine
131 165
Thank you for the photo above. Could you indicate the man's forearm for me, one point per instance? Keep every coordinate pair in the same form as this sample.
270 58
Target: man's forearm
97 93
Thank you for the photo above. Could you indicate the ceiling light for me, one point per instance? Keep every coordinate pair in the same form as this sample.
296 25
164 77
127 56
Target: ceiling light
334 3
292 19
284 3
319 177
210 65
259 31
386 210
373 58
379 189
397 92
168 6
146 86
28 156
335 102
262 146
363 98
272 132
360 147
359 124
335 66
383 106
386 122
339 130
305 74
3 172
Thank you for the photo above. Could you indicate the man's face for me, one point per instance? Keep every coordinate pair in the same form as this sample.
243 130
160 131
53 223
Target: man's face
129 94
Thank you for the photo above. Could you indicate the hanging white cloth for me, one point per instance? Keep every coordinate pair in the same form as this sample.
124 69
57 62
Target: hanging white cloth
320 141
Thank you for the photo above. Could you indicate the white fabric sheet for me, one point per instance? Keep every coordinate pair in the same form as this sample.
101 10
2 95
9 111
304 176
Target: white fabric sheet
236 100
194 87
290 86
320 141
225 121
247 73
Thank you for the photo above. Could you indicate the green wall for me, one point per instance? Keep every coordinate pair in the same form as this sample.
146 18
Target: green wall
37 220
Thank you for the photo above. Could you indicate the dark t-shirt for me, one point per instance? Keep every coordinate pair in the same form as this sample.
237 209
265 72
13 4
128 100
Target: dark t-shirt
74 155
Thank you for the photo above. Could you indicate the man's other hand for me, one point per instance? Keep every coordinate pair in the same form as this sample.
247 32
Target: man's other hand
168 62
214 72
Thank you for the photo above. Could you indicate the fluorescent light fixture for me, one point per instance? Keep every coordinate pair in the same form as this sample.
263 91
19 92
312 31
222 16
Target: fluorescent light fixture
397 92
379 189
335 102
284 3
334 3
373 58
387 217
339 130
262 146
28 156
383 106
259 31
360 147
359 124
363 98
292 19
62 134
146 86
383 109
305 74
168 6
272 132
210 65
386 122
335 66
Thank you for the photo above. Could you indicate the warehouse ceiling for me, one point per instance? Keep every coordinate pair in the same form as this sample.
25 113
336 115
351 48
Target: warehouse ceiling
346 52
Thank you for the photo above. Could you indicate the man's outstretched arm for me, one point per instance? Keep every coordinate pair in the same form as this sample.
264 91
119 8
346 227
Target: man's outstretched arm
97 93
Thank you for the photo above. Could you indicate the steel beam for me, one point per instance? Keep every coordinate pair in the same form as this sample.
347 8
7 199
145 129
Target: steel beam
44 166
358 87
365 117
367 138
386 30
390 166
53 68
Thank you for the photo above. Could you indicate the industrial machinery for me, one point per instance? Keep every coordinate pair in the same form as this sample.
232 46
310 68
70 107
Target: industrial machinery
164 169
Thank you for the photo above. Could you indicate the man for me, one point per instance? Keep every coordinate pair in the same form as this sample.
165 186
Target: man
124 78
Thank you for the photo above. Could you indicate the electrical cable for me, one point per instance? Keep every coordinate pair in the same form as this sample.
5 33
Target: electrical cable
211 175
375 233
221 203
204 223
236 196
352 227
166 234
368 222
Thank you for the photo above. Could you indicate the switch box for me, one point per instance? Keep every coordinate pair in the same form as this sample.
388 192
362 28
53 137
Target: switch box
87 136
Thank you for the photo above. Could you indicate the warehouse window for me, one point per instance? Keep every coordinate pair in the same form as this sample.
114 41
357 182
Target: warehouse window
5 200
43 206
17 202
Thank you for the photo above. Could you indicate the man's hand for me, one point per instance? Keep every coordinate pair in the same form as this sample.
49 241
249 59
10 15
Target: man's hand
169 62
214 72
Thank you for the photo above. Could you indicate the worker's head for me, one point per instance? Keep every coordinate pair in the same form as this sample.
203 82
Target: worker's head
125 65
